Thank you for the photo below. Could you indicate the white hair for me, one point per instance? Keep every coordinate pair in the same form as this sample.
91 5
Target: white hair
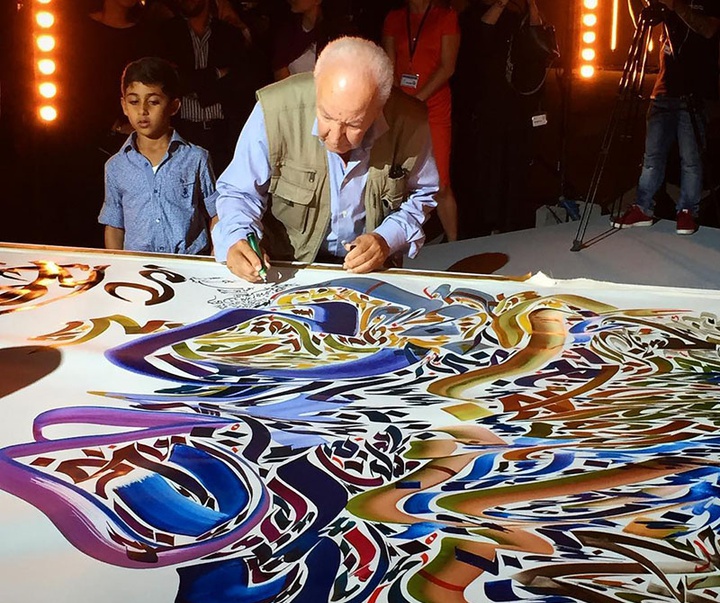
362 55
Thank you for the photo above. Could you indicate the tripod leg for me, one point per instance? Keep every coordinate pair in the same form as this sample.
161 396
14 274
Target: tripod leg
629 91
632 97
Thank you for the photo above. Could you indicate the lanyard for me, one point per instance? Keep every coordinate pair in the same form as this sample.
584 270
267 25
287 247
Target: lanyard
413 41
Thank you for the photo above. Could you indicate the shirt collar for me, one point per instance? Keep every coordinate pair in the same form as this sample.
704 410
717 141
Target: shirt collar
205 33
175 141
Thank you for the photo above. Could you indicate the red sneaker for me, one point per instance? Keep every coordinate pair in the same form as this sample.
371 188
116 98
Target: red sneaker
633 217
685 224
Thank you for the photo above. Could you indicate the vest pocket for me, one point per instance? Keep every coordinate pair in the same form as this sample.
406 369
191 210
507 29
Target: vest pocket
292 199
394 194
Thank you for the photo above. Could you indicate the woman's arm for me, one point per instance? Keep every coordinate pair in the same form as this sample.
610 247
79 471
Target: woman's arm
535 18
493 13
448 59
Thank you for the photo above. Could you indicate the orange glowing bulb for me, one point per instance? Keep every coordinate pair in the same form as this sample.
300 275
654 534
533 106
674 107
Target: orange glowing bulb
589 37
590 20
587 71
46 43
46 66
48 113
588 54
47 89
45 19
591 4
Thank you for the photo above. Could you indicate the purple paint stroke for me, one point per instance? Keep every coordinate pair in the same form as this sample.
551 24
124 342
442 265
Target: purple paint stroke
85 524
117 417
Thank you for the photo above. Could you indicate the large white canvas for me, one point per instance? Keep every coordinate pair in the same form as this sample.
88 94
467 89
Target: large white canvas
468 394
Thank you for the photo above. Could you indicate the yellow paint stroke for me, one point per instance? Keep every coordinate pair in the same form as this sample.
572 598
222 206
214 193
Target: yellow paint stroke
381 504
77 332
547 338
474 435
542 320
511 322
477 502
467 411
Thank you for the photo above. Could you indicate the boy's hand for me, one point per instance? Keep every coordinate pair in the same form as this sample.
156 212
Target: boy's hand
366 253
244 262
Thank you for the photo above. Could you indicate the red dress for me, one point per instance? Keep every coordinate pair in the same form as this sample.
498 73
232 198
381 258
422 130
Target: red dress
426 59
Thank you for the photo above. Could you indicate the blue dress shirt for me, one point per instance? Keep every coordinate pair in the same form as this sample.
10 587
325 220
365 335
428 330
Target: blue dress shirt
243 187
160 210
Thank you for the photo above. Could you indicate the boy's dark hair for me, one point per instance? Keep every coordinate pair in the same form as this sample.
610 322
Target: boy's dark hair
152 71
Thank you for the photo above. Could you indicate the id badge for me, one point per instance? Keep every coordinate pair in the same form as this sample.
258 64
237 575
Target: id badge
539 119
409 80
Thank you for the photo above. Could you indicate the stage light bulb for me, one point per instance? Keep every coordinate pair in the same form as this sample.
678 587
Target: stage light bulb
591 4
588 54
46 66
46 43
589 20
589 37
48 113
45 19
47 89
587 71
43 1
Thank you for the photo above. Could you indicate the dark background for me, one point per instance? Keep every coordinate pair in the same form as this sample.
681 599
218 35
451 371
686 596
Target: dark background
39 177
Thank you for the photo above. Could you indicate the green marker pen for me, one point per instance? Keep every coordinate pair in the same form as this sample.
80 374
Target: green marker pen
252 241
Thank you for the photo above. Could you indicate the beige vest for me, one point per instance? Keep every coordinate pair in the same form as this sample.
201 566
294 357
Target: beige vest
298 215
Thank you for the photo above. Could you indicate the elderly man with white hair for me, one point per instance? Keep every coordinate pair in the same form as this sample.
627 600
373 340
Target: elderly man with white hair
334 167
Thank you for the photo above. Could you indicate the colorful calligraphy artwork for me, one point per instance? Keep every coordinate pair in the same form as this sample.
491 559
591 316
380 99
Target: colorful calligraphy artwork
398 437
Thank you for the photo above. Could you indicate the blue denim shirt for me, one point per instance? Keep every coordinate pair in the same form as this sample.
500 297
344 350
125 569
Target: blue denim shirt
160 211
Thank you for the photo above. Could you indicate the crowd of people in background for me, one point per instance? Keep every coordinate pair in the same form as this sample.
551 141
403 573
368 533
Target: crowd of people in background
226 50
455 56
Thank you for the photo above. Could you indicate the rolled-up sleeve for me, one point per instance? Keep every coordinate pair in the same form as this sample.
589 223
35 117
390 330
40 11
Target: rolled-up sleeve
241 196
111 213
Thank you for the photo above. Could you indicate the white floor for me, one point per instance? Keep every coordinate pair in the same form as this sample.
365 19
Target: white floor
653 255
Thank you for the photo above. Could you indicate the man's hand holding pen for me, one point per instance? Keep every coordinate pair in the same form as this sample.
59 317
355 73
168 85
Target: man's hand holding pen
246 262
366 253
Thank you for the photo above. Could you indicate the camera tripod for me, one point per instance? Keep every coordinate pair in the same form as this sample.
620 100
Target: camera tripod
627 107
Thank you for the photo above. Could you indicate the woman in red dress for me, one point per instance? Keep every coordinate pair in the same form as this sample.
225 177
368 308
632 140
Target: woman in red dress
422 40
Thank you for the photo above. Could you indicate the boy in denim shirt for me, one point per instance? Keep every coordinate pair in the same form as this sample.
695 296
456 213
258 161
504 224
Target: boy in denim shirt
158 186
